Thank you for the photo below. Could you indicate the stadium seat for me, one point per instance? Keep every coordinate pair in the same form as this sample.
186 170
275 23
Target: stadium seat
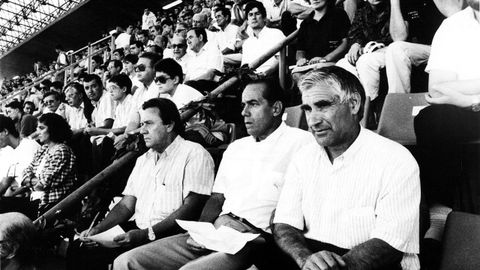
396 119
461 244
295 117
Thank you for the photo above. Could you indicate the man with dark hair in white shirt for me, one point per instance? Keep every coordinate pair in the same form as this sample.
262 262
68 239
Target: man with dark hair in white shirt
350 200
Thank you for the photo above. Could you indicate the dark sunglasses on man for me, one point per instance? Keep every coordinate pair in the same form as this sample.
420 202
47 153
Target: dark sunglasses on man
161 79
140 68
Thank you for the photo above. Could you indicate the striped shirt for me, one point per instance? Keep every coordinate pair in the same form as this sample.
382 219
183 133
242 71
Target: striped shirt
162 181
251 174
371 191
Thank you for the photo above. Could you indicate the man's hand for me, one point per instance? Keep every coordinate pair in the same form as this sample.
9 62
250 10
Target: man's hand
196 247
87 242
119 140
323 260
301 62
317 60
132 238
354 53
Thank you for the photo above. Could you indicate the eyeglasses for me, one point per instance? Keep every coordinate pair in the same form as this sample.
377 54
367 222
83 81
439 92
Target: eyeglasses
161 79
179 45
140 68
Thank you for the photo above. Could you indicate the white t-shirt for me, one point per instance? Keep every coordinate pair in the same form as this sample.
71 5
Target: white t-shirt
456 46
122 41
104 109
123 111
254 47
21 157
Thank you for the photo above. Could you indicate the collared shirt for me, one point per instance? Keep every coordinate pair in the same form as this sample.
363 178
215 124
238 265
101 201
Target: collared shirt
148 20
251 174
183 95
274 11
104 109
122 41
75 117
58 173
123 111
226 38
19 158
370 191
254 47
209 57
162 181
455 46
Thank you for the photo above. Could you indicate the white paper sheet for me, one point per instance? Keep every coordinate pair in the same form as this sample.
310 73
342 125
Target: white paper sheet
223 239
106 238
417 109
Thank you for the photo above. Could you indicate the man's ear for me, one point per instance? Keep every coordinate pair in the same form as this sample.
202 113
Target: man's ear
170 127
10 252
176 80
277 108
355 103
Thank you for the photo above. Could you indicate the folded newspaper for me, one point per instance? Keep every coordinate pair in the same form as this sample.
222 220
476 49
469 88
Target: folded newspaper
223 239
296 69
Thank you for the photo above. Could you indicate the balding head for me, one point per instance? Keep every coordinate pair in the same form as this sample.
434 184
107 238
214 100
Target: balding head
199 20
450 7
18 236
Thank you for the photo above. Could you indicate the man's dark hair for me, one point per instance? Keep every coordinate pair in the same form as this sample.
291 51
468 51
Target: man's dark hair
144 32
59 47
170 67
166 22
138 44
15 105
7 124
55 95
116 63
168 113
157 49
93 77
225 12
255 4
122 80
98 59
87 104
29 103
131 58
200 32
153 57
46 82
57 85
272 91
119 51
58 129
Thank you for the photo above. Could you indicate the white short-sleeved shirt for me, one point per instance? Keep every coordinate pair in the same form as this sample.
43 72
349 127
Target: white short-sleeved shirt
254 47
209 57
371 191
162 181
104 109
455 46
21 157
183 95
123 111
251 174
122 41
75 117
226 38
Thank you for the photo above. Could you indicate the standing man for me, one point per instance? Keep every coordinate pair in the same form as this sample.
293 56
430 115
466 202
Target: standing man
148 19
351 200
245 193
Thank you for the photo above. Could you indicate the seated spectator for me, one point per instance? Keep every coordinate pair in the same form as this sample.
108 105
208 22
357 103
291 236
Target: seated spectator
181 29
56 86
104 108
275 9
155 48
371 24
51 175
25 124
97 62
452 120
18 159
351 199
79 111
28 107
200 20
322 36
19 243
118 54
167 28
227 35
261 40
143 37
169 79
417 22
136 48
179 52
171 181
245 193
204 60
129 68
186 17
45 86
52 103
114 67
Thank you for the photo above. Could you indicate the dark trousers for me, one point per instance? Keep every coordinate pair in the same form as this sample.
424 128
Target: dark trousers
449 165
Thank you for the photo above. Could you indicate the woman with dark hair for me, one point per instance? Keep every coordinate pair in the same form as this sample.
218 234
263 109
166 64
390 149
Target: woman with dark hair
51 175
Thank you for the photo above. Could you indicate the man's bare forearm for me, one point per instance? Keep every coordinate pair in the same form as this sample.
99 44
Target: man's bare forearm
292 242
373 254
212 208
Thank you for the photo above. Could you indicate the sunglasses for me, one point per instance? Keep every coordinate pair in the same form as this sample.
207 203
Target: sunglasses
161 79
179 45
140 68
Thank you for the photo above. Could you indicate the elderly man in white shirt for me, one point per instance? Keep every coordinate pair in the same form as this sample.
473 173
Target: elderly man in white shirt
351 200
261 40
245 193
75 113
173 180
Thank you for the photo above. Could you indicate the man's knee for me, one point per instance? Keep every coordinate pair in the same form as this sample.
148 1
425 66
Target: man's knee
126 260
369 61
397 48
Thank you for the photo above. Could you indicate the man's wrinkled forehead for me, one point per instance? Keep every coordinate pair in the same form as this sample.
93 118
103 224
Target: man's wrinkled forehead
320 92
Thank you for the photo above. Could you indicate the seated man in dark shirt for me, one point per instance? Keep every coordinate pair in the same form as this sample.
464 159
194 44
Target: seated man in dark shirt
24 123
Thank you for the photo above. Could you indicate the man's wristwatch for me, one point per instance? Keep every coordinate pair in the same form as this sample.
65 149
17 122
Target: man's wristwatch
476 104
151 234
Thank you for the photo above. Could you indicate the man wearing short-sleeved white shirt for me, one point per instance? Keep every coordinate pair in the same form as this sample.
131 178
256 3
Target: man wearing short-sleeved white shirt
171 181
262 39
104 108
350 200
245 193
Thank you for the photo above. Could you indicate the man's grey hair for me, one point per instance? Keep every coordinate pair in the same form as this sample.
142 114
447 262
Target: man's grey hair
344 84
19 238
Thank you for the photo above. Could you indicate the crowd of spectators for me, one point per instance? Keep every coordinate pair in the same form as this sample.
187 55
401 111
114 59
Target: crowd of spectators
345 197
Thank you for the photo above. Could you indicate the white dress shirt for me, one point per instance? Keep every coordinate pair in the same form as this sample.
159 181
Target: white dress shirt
162 181
370 191
104 109
123 111
75 117
183 95
209 57
256 46
251 174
